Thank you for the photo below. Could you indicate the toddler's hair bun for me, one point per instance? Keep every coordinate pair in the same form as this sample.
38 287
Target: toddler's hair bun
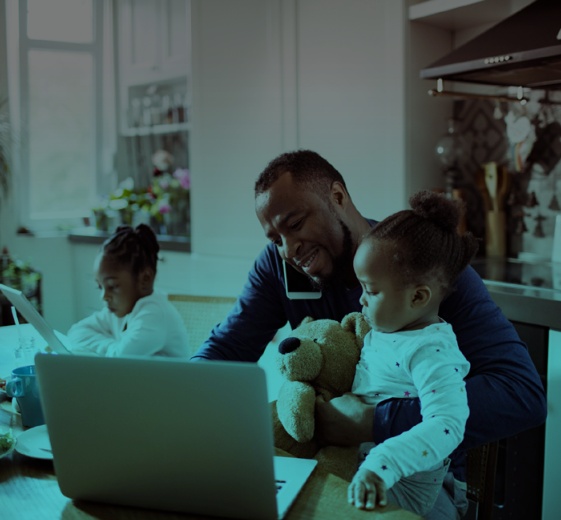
436 207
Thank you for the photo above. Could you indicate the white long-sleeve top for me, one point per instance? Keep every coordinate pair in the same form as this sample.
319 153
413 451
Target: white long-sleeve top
427 364
153 327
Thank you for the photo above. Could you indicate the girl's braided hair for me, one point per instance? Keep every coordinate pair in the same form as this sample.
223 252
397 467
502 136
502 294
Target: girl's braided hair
136 248
426 241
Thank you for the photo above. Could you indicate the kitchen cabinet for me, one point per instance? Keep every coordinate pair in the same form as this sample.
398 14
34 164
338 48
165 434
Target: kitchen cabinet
154 43
528 471
552 469
521 458
154 57
153 53
458 15
338 77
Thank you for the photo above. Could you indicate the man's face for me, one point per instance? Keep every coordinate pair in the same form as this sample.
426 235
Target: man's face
119 288
307 227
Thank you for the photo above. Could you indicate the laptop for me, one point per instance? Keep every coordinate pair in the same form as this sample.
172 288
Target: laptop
167 434
31 314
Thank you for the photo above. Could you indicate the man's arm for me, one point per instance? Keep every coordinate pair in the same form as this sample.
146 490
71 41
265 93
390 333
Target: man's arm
263 308
253 321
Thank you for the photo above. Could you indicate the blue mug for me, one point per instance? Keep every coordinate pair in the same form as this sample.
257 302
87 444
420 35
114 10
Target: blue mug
23 387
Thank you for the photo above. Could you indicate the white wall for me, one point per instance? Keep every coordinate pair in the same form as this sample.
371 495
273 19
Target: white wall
237 120
275 75
351 95
3 93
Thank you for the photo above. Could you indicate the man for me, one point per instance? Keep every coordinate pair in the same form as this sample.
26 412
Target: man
306 212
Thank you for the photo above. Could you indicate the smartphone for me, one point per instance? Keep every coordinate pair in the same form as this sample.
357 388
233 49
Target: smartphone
298 285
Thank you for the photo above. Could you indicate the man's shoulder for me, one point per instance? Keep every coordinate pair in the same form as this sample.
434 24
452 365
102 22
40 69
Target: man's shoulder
268 260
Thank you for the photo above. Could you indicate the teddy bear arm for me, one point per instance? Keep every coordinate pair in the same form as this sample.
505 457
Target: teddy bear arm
296 409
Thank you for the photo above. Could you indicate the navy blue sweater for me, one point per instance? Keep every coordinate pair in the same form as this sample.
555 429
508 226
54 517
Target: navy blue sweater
505 393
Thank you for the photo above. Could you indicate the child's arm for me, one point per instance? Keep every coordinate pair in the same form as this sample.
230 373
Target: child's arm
145 334
93 334
437 371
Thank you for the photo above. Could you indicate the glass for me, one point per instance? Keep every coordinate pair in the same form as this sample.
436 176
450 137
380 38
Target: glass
25 350
60 20
61 134
451 149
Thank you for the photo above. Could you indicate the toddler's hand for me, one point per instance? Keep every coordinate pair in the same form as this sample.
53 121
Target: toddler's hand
367 490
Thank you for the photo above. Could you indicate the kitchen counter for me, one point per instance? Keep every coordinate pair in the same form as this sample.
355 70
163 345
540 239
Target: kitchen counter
527 292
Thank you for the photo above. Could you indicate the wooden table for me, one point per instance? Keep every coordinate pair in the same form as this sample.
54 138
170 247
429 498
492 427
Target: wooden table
29 488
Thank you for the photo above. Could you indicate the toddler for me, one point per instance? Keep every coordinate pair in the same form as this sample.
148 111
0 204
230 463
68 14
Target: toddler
406 266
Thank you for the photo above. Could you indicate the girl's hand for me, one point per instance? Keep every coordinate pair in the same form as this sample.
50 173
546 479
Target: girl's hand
367 490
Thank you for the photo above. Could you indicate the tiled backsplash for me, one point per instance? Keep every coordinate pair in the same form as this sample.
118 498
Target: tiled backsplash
526 140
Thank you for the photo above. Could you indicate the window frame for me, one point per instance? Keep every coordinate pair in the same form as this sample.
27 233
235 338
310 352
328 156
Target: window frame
104 133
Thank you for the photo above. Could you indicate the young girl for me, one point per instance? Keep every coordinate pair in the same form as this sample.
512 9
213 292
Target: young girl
406 266
136 319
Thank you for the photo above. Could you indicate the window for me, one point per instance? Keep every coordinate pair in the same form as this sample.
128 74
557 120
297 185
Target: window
58 55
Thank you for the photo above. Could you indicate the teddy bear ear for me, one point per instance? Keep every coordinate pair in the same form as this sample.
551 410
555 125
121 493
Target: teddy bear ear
307 319
356 322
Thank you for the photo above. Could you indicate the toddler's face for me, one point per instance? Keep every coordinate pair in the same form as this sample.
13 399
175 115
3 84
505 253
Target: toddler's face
385 302
119 288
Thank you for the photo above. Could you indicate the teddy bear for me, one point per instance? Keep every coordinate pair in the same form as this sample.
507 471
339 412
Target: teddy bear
319 357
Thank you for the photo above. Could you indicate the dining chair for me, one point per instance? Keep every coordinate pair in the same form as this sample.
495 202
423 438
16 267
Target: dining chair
481 471
200 314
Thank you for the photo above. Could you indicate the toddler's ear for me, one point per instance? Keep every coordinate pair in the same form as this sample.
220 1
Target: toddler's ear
421 296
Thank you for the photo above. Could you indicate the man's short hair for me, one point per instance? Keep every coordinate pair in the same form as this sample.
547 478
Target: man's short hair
306 167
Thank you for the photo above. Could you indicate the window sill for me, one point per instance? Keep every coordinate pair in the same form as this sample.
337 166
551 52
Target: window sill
91 235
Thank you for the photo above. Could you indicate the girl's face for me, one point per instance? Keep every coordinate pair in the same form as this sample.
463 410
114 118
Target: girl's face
120 289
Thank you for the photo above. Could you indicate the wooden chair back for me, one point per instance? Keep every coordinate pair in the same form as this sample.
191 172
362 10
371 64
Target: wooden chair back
200 314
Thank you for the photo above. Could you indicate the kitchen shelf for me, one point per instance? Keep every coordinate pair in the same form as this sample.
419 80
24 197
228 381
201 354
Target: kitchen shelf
156 129
91 235
462 14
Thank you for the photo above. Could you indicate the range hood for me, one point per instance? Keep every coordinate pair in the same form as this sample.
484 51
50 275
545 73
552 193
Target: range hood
524 50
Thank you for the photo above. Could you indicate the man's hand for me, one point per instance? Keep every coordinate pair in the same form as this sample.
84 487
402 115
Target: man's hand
367 490
344 421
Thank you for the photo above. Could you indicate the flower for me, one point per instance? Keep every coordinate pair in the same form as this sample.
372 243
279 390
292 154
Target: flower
166 196
162 161
184 177
164 207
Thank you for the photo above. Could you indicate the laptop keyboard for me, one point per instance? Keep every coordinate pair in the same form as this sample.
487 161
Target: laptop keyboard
279 484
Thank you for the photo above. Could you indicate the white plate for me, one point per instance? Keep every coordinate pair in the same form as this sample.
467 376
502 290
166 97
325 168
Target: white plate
35 443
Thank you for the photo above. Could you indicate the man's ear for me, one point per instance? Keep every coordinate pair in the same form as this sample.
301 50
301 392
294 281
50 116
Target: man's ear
421 296
339 194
